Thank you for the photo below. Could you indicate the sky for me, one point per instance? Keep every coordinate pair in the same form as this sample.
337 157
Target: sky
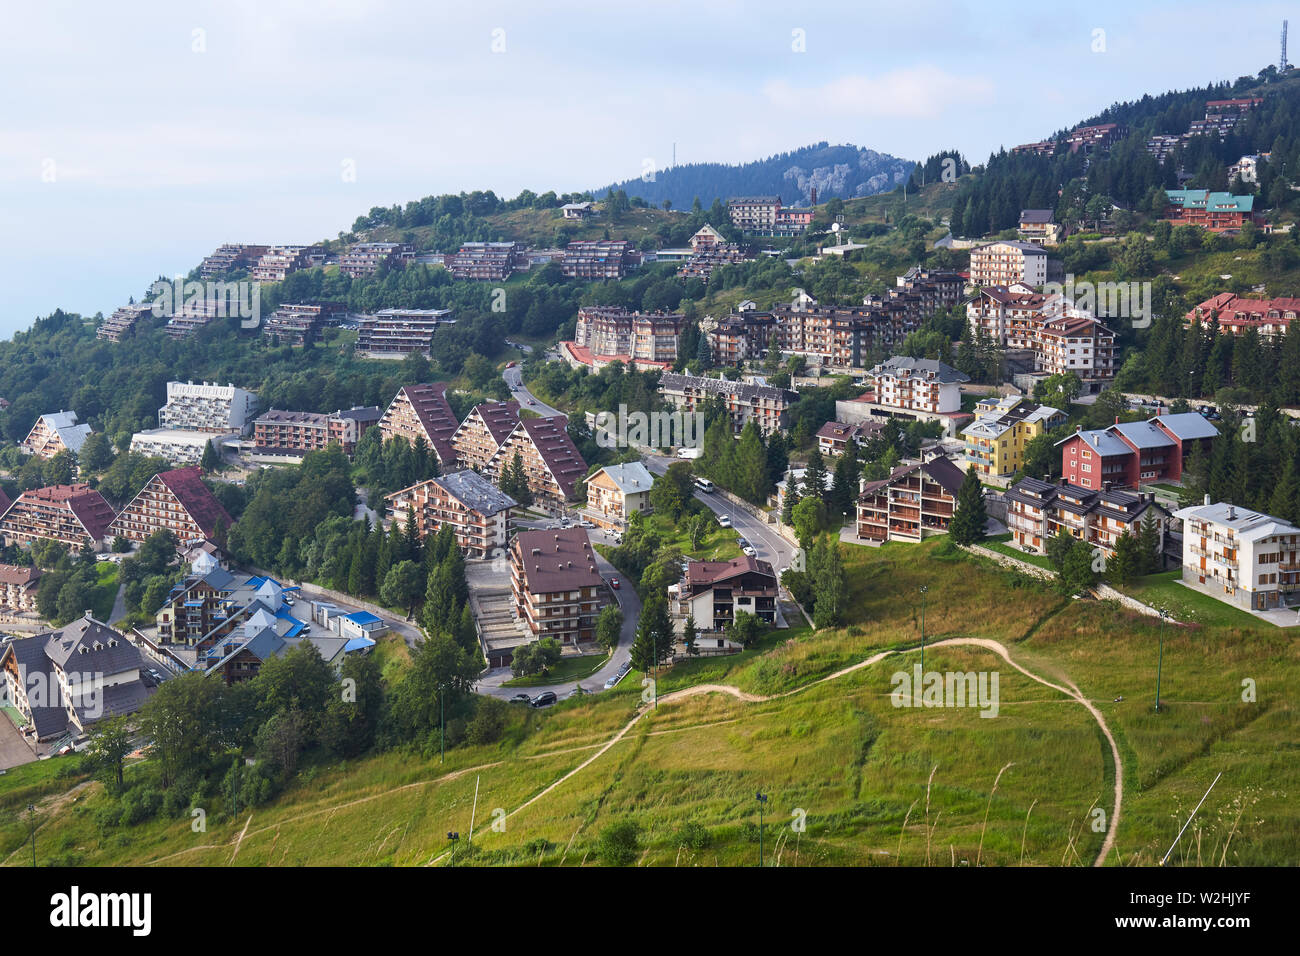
136 138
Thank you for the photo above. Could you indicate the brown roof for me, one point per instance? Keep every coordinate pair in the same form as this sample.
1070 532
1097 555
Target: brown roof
941 469
551 438
713 572
556 560
195 497
87 504
499 417
435 415
19 574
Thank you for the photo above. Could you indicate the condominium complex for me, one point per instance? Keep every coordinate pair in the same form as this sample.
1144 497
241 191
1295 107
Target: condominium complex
276 264
552 463
1130 454
18 585
1061 336
713 592
177 501
558 591
207 407
294 434
1078 344
1007 262
55 433
422 412
827 336
75 515
765 405
488 261
300 325
485 429
599 259
231 257
1090 139
1233 314
475 509
614 333
914 501
121 323
396 333
704 259
1213 211
178 446
918 385
365 258
765 216
1002 430
1240 556
1038 511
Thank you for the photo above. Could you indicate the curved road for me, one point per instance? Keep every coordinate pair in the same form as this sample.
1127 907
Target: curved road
515 379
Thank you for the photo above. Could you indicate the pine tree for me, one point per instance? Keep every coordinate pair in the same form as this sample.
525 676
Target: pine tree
814 479
210 461
971 516
654 635
1147 557
1125 564
826 570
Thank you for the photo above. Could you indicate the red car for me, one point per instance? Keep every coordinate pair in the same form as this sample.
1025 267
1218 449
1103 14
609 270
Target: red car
613 582
510 365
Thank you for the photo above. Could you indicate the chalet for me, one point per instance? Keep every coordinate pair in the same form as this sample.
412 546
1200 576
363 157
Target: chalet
616 491
1038 511
177 501
713 591
18 585
914 501
422 412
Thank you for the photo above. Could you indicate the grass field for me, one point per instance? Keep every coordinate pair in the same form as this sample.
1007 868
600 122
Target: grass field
565 669
873 783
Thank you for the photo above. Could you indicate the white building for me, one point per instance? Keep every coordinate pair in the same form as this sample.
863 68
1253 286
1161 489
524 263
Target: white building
924 385
178 446
1240 556
1007 262
207 407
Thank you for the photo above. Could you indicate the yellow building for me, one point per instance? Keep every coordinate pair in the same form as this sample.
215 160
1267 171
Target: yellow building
996 440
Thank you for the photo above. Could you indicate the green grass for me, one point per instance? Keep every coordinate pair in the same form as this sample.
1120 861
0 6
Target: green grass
863 770
1000 545
1189 605
566 669
104 593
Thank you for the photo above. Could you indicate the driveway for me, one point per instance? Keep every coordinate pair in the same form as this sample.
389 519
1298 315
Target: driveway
515 379
13 748
629 603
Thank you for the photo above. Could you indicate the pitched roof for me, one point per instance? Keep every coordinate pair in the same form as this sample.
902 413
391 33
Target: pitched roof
711 573
500 418
630 477
475 492
64 424
429 402
87 646
19 575
939 468
1101 441
903 365
1186 426
1249 525
550 437
195 497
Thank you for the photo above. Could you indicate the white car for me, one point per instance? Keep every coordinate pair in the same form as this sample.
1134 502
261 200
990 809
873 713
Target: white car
724 521
749 550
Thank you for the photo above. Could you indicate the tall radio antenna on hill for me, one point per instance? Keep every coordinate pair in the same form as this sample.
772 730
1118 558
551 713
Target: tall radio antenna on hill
1281 64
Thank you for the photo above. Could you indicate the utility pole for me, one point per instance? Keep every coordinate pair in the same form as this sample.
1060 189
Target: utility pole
924 588
442 727
762 799
1160 660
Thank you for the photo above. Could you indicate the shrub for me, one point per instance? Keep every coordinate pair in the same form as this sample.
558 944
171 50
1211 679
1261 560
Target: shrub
619 843
694 836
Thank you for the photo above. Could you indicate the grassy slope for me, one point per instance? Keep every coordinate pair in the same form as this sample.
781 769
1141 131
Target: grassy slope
838 751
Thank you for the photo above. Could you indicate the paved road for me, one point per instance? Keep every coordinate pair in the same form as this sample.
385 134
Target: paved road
514 378
768 544
630 604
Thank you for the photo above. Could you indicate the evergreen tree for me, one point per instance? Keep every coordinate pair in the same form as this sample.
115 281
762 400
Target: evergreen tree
1125 564
211 461
971 515
814 479
826 569
654 634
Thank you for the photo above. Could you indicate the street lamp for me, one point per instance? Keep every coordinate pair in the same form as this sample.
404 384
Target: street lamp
31 817
924 588
761 797
442 723
454 837
1160 660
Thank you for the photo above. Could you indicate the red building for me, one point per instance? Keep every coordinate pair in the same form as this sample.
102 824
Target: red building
1134 453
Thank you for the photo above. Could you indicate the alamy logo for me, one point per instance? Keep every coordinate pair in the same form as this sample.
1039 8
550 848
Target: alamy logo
949 689
74 909
1110 300
214 299
649 429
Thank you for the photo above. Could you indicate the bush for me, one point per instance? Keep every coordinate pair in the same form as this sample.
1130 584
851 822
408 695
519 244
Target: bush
620 843
489 721
139 804
694 836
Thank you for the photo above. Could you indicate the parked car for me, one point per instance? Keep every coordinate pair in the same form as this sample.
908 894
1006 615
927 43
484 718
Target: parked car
749 550
544 700
724 521
577 691
609 684
584 523
613 582
521 699
153 672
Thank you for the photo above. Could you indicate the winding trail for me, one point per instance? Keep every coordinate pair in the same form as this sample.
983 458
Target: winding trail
1070 691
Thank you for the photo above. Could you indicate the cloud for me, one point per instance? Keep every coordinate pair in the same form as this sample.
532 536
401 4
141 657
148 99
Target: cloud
914 92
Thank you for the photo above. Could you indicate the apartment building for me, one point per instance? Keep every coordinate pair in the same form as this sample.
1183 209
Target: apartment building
1129 454
488 261
196 603
1233 314
1009 316
1046 147
1078 344
934 289
920 385
55 433
18 585
475 509
294 434
828 336
616 491
755 215
1039 226
916 500
189 317
1061 336
765 405
713 591
833 438
551 461
558 591
396 333
1007 262
365 258
177 501
1247 167
485 429
422 412
122 322
1240 557
66 681
207 407
75 515
997 439
231 257
258 600
300 325
177 446
278 262
702 261
1038 511
599 259
1213 211
612 333
1095 139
